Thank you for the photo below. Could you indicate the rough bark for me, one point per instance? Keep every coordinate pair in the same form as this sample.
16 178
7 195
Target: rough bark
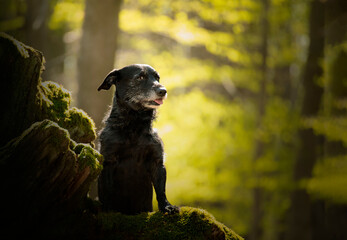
23 67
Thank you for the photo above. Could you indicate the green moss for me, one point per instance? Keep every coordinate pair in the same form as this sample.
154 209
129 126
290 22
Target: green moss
55 102
56 99
89 157
79 124
190 223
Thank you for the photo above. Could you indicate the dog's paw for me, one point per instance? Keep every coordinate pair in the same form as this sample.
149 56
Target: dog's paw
170 209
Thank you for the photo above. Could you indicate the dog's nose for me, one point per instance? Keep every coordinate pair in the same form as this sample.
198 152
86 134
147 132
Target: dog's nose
161 91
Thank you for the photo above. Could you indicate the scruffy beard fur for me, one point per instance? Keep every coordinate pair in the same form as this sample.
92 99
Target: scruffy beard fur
124 113
150 102
137 98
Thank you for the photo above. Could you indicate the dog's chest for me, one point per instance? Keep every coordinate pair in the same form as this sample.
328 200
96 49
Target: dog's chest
143 150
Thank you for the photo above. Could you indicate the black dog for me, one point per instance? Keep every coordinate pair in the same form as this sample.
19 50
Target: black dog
133 151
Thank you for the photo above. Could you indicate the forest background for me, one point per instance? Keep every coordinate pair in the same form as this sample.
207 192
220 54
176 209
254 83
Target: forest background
255 122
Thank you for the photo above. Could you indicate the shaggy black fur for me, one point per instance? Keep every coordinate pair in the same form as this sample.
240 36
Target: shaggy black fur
133 151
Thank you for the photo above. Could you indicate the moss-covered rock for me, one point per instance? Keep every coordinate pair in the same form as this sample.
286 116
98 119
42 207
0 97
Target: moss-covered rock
190 223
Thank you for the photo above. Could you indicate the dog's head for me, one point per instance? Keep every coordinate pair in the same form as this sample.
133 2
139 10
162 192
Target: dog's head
137 86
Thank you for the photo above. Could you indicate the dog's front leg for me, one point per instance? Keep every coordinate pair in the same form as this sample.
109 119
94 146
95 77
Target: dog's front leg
159 182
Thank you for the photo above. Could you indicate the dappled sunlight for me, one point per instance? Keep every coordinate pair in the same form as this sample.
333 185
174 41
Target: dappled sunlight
329 179
69 13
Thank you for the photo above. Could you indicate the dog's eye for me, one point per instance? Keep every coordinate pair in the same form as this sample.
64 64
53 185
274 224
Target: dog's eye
141 77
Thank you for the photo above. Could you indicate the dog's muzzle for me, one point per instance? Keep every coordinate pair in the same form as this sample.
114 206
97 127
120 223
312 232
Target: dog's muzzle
161 92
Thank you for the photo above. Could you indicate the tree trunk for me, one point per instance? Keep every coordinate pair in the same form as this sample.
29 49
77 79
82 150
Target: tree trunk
300 211
336 29
96 55
36 29
23 67
257 209
38 35
332 216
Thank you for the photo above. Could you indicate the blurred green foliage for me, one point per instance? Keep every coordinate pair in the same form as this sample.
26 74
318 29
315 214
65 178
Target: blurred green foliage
330 179
67 14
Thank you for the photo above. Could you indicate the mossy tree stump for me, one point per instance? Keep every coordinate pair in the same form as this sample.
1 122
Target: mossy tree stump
47 162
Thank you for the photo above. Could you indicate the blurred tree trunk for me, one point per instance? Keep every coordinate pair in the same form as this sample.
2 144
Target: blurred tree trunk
97 55
36 18
332 217
257 208
96 58
38 35
300 225
336 30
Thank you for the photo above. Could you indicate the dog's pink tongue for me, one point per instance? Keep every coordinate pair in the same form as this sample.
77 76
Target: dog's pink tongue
159 101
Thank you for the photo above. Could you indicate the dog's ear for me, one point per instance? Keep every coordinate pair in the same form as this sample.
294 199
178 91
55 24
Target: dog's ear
110 79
